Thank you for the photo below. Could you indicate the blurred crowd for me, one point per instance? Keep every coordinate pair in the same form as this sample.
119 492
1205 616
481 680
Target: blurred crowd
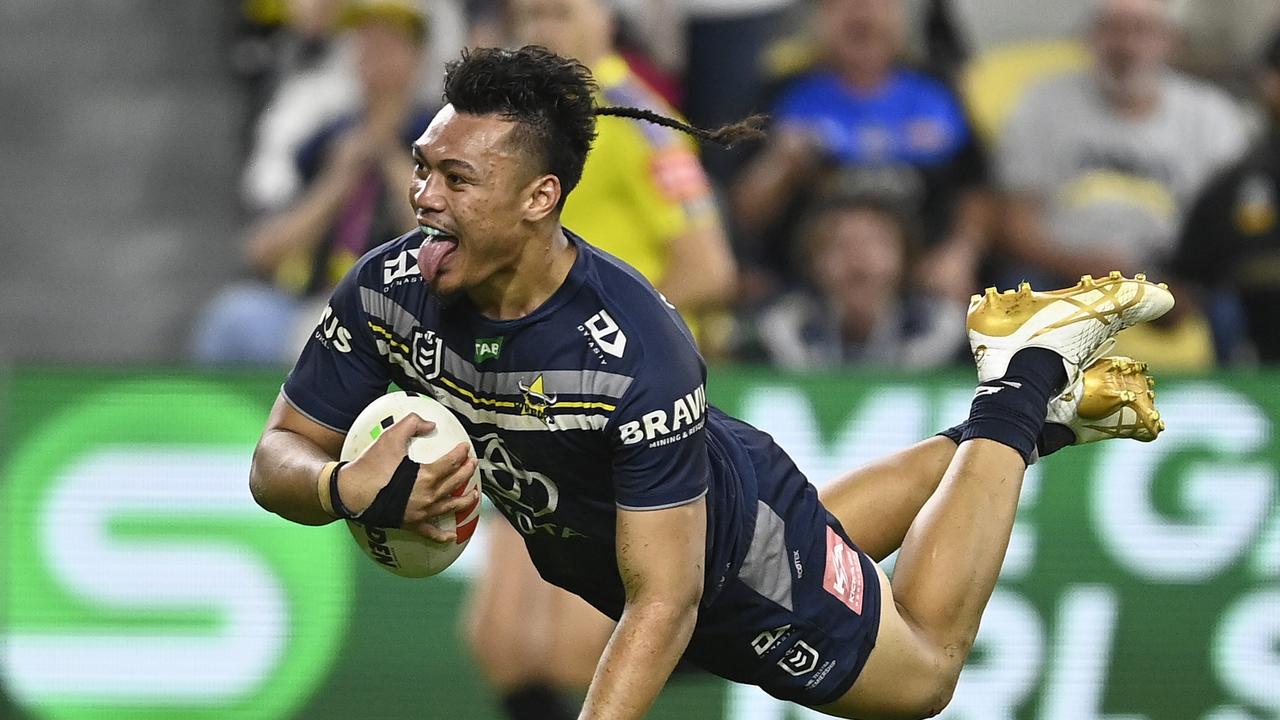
917 151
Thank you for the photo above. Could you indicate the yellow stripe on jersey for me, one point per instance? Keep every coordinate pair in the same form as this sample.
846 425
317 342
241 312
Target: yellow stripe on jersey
391 339
479 401
472 397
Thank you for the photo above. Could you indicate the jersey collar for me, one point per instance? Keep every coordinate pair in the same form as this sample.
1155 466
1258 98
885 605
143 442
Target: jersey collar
563 294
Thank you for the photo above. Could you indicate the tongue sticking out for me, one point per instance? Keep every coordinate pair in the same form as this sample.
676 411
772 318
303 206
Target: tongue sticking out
432 256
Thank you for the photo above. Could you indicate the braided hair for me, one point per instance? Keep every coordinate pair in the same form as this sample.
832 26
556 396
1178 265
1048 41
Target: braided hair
726 135
552 101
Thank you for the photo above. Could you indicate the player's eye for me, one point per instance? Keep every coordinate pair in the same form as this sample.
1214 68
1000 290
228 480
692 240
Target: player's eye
454 179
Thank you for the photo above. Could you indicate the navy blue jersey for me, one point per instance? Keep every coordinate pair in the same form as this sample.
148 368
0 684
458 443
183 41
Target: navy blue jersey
593 402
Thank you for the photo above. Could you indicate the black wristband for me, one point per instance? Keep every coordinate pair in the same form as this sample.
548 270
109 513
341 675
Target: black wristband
334 499
387 508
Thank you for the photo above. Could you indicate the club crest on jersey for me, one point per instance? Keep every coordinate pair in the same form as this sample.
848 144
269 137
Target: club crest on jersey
536 401
427 349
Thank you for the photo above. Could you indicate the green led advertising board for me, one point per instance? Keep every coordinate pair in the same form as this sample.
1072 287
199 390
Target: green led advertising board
141 581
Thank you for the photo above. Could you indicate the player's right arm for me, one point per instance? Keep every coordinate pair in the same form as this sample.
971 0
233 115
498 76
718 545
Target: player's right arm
338 374
291 455
296 456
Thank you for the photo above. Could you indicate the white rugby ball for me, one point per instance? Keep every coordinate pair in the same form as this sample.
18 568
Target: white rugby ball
400 551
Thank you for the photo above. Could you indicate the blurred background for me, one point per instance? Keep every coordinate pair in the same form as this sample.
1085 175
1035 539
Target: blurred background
185 181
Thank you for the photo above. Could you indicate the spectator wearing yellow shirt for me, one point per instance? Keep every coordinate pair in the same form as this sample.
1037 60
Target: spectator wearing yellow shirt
645 198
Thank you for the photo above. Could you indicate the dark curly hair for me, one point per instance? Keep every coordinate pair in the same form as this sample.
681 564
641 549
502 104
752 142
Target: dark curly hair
552 100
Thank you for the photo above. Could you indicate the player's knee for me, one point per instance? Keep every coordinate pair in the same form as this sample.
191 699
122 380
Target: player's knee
941 688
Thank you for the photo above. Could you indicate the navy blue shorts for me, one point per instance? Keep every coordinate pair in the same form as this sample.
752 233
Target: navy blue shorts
800 618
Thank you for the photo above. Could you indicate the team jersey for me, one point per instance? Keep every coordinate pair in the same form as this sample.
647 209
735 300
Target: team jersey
643 185
593 402
596 401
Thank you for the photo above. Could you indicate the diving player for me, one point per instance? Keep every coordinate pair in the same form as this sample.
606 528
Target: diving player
584 397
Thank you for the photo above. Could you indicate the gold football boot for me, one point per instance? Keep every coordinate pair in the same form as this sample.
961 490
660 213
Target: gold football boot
1077 323
1112 398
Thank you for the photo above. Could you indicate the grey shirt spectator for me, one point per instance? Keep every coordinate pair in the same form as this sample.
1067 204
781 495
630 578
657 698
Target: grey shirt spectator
1111 183
1100 165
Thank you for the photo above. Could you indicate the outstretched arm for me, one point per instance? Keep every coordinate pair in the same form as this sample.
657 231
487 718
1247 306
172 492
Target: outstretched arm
661 556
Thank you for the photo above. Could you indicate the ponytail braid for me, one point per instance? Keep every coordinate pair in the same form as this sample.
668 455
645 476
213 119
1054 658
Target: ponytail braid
726 135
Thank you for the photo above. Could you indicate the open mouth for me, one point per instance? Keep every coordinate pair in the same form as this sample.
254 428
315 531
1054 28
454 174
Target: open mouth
435 251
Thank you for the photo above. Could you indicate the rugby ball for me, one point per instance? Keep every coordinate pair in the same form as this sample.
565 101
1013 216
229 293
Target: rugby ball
402 552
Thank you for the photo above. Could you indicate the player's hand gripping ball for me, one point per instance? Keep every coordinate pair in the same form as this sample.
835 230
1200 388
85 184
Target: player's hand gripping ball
403 552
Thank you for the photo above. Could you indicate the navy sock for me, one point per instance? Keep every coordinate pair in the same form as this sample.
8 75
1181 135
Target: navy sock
1011 410
1052 438
536 702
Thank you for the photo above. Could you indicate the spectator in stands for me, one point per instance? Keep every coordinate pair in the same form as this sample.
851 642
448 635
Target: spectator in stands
643 197
311 83
861 123
858 310
1230 245
353 172
1101 164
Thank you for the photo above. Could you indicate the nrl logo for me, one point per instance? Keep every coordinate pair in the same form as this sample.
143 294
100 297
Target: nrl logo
536 402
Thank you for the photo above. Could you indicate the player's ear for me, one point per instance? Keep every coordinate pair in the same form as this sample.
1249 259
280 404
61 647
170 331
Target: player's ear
542 198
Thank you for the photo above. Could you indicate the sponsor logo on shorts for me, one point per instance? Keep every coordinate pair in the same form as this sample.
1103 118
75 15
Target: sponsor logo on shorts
843 577
801 659
769 639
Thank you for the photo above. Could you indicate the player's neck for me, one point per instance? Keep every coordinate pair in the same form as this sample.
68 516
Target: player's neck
539 270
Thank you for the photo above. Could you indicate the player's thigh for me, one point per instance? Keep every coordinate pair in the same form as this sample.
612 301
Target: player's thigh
906 675
877 502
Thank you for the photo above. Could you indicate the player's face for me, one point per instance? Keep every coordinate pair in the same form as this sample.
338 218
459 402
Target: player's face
471 192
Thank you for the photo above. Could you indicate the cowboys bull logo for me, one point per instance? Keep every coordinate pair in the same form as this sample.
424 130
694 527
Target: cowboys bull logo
536 402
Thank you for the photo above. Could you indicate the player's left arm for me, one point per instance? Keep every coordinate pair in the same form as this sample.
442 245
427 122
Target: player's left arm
661 556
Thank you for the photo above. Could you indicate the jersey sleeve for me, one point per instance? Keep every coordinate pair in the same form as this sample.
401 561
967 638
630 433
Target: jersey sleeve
340 370
658 433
